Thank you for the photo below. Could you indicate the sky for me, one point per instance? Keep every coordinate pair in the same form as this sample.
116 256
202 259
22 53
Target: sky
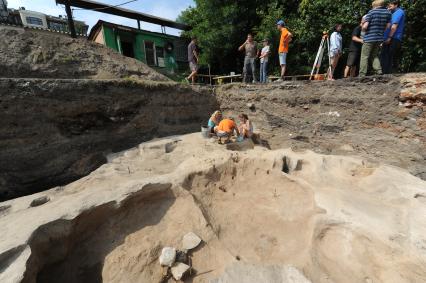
168 9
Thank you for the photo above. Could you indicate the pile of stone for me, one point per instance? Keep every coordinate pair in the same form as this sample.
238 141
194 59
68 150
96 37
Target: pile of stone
413 91
177 263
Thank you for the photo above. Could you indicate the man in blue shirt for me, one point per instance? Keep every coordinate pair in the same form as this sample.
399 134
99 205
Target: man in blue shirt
391 51
376 22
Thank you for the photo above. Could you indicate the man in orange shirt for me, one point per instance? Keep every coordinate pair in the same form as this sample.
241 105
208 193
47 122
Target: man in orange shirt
226 128
283 48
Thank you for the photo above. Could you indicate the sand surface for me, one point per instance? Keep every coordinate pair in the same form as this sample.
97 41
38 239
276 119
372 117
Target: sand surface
264 216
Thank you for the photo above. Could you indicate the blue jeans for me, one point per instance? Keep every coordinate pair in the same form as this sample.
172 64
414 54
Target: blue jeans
264 72
249 69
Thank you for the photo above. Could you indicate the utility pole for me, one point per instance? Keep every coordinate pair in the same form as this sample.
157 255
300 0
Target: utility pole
70 19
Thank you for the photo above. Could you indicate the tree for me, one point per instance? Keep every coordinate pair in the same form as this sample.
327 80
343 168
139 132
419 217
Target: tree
221 26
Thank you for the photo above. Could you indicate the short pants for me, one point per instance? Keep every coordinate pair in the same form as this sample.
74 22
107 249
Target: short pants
193 66
283 58
223 134
353 58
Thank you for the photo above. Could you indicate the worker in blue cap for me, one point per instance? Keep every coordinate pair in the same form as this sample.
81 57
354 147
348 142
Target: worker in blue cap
283 47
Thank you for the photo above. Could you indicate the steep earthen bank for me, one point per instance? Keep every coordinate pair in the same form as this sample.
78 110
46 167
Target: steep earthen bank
53 132
366 117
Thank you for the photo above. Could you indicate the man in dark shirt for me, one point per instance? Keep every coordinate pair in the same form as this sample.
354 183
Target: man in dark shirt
193 59
376 22
354 52
250 49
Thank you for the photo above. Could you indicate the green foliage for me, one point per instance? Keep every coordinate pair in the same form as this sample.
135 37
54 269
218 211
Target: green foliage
221 26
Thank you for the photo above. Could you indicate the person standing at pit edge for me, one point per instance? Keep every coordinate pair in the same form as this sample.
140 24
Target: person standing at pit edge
335 49
250 50
391 49
192 59
264 58
285 39
354 51
376 22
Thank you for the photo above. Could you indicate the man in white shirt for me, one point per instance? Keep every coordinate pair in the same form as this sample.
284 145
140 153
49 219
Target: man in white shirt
335 49
264 56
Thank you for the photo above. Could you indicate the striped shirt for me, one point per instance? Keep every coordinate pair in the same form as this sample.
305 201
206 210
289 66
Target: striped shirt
377 20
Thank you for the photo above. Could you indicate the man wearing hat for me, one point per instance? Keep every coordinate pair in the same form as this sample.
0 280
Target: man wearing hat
283 47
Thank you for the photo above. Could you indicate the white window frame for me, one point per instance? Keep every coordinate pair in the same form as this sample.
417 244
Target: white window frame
155 52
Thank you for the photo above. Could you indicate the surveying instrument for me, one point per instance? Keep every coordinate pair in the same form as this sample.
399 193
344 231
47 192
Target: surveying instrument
325 42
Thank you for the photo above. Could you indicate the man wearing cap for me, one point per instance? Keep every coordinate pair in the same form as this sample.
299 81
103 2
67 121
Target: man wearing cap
250 49
283 47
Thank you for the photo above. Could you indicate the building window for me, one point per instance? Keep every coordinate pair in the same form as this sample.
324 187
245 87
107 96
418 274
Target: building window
149 53
160 56
180 50
34 21
58 26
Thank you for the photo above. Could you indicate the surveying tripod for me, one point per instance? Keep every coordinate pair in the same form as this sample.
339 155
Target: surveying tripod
318 59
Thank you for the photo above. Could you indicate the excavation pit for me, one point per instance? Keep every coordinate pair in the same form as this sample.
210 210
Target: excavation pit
261 215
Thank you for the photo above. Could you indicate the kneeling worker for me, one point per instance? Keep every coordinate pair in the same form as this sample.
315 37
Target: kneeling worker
214 120
226 128
246 127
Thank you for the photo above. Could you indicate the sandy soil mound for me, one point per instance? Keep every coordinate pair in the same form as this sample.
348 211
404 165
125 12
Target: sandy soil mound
263 216
26 53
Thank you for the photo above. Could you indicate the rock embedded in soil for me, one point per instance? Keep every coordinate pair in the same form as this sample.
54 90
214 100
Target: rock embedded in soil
39 201
179 270
168 256
190 241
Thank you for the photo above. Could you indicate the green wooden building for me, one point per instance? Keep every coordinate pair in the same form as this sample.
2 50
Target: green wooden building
166 53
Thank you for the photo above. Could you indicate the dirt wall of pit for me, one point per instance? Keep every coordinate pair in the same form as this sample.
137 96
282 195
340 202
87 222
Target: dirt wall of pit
382 118
56 131
53 132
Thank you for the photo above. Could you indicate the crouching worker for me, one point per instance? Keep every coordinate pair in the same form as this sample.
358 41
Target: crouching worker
246 127
226 129
214 121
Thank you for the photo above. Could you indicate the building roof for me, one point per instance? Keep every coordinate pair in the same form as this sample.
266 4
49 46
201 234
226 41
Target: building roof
97 27
118 11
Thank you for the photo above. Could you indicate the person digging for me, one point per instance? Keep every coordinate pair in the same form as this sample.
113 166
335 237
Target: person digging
225 130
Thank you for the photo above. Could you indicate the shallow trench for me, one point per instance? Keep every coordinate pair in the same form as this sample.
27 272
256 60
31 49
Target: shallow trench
252 215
